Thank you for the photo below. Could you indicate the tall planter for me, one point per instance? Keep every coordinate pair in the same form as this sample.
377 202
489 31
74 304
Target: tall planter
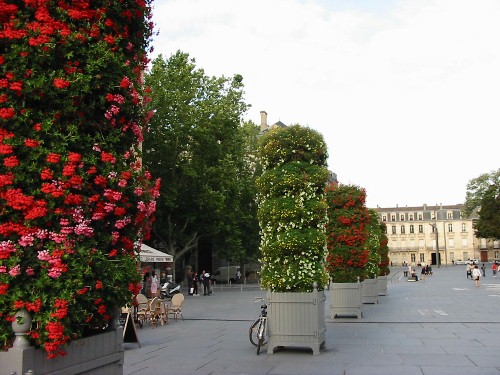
296 320
382 285
369 291
346 300
99 354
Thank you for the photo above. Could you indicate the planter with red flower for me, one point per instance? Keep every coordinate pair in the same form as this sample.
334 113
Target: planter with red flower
75 200
347 252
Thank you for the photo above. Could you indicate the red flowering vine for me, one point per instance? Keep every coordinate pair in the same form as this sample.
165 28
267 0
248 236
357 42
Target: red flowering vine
346 232
74 200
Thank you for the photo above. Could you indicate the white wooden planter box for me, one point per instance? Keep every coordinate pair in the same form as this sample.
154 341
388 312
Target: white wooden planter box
100 354
345 300
369 290
382 285
296 320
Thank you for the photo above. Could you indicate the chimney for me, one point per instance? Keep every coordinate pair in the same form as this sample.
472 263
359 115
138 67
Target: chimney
263 120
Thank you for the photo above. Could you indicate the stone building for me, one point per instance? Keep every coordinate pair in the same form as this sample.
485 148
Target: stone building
414 234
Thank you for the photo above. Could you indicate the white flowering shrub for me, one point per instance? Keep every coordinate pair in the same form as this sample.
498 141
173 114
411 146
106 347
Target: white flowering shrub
292 209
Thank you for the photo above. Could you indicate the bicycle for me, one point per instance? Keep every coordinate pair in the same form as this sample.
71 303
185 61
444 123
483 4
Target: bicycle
258 330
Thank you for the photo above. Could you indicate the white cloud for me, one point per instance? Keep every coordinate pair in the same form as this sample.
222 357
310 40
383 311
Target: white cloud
405 93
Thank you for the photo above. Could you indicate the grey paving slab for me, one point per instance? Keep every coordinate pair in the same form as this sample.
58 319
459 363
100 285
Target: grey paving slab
441 326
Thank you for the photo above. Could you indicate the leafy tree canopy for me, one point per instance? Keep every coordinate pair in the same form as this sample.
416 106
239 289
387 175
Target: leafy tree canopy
483 197
197 145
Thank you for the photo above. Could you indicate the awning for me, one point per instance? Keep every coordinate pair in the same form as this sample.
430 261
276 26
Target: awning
148 254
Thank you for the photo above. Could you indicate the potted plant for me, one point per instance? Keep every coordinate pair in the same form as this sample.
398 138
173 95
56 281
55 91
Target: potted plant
75 201
369 292
383 266
347 252
292 217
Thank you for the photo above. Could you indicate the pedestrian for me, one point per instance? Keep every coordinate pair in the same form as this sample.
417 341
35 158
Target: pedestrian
190 282
476 273
147 284
423 273
195 284
206 283
469 270
494 268
483 268
154 284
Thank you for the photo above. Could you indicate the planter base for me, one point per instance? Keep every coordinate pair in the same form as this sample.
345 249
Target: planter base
382 285
296 320
100 354
345 300
369 291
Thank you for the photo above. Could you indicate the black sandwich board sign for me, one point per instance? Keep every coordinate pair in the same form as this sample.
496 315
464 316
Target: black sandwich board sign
129 332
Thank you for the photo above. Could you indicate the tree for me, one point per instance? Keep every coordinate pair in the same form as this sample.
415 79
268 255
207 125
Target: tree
483 197
197 146
488 224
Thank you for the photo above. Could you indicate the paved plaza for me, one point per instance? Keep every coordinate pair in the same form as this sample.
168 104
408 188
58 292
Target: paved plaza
441 326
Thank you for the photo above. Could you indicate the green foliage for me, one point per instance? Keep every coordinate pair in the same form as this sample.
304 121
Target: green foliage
198 146
483 197
292 211
488 224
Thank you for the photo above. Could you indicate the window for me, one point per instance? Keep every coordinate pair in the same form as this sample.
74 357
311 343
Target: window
412 256
422 258
420 217
402 217
412 229
384 218
420 228
452 255
464 245
451 243
450 227
393 229
496 254
393 218
411 217
449 215
464 227
465 255
402 229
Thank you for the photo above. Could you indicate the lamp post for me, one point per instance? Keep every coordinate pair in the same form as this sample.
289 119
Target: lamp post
435 227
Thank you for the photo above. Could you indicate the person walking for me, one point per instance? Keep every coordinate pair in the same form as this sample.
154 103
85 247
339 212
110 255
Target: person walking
147 284
423 273
494 268
468 268
189 277
205 279
476 273
483 269
154 284
195 284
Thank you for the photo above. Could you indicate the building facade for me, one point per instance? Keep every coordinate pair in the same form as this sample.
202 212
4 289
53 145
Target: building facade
432 234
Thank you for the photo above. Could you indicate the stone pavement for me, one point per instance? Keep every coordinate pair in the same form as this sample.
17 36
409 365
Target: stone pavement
441 326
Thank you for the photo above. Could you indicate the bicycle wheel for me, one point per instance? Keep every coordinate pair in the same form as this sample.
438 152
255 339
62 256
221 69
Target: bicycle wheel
253 332
262 334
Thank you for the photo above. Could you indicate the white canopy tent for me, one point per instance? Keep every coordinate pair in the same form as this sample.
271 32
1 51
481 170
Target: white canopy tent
150 255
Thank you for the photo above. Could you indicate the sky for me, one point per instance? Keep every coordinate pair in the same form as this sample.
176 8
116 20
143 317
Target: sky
406 93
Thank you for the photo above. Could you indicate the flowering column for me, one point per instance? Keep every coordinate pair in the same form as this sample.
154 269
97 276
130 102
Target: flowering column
75 202
292 209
